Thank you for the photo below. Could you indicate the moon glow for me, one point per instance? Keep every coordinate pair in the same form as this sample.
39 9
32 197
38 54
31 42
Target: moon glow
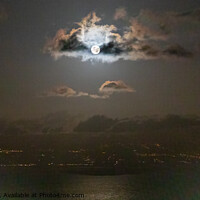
95 49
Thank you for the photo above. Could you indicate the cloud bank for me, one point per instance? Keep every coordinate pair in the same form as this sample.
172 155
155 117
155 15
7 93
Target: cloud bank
150 35
105 91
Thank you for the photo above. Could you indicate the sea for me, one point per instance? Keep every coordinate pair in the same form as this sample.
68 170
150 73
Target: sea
171 184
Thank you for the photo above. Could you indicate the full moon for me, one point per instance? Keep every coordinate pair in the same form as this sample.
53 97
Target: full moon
95 49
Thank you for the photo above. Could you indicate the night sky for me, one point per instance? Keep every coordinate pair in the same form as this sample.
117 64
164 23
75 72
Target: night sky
164 77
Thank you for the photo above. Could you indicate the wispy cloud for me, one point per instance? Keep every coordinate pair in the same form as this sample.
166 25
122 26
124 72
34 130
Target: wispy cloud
120 13
60 91
105 91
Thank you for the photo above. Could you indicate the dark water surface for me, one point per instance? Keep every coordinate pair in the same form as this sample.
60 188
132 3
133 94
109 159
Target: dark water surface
162 185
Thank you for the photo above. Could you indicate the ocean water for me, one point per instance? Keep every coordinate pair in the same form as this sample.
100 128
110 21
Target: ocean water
162 185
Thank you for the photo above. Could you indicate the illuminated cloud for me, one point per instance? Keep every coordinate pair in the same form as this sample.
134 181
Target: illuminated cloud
142 32
120 13
65 91
106 89
79 41
61 91
150 35
110 87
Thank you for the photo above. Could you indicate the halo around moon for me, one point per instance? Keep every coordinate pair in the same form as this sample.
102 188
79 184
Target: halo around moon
95 49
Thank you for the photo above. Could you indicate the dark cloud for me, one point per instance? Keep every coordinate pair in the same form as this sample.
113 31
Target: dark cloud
178 51
97 123
111 48
52 123
71 44
149 50
175 50
171 24
194 14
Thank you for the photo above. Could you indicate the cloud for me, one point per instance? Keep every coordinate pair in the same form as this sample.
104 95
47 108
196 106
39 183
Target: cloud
105 91
61 91
65 91
78 42
109 87
150 35
139 31
177 51
120 13
171 24
194 14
